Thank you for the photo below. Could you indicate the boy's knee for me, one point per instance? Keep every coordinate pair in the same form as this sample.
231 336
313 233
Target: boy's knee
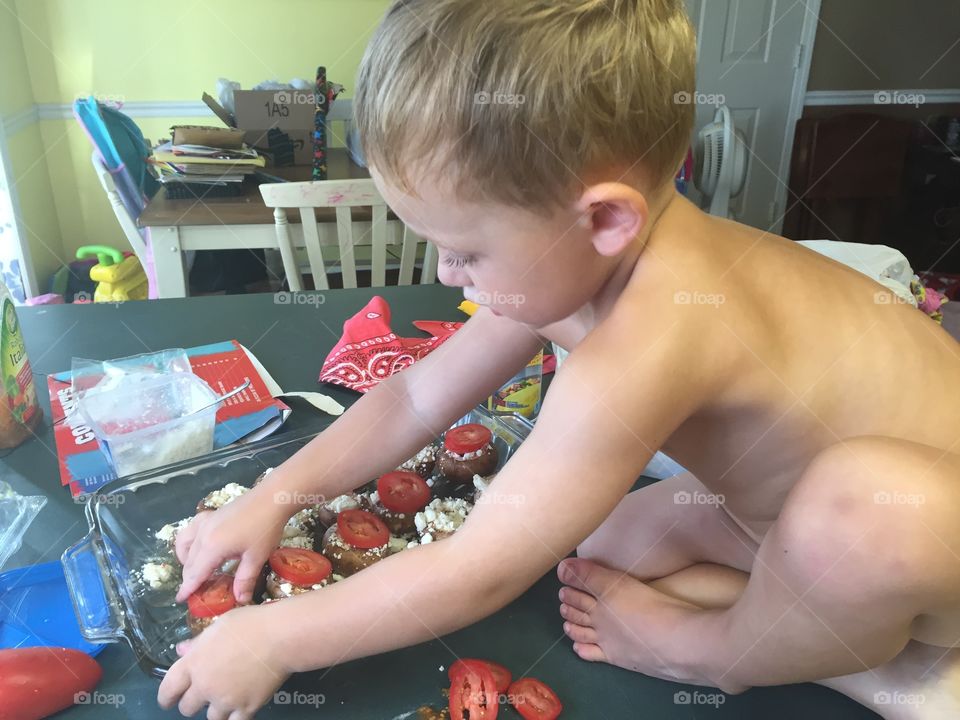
864 509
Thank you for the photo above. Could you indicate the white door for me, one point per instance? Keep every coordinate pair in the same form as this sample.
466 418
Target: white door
754 57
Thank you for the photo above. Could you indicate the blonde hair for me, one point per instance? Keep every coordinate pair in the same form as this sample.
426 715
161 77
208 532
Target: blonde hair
516 100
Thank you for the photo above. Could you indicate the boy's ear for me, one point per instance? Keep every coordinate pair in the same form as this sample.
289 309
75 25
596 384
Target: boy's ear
614 214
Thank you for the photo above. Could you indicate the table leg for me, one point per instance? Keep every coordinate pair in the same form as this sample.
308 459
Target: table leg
168 261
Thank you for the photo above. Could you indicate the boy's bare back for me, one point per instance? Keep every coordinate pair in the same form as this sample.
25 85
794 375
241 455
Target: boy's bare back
800 352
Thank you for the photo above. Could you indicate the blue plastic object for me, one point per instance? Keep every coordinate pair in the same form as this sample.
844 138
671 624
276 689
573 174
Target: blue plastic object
35 610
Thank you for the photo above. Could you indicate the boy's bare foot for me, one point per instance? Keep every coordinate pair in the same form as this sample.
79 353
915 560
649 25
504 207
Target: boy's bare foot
921 683
614 618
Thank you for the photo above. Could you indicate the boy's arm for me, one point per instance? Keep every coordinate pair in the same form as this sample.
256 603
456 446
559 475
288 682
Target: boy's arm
382 429
604 418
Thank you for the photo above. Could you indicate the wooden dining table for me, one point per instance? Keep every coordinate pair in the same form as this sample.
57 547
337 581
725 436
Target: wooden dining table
237 223
292 339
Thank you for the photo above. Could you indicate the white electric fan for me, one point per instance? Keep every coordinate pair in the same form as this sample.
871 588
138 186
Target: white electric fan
721 162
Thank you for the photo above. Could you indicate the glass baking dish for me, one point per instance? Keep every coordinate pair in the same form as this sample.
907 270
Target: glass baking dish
111 604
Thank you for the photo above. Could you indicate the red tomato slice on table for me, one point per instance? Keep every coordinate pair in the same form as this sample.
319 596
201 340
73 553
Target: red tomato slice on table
473 689
403 492
362 529
501 676
299 566
39 681
213 598
467 438
534 700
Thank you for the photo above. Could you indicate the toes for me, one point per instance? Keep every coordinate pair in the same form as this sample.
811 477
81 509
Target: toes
588 576
568 612
580 633
578 599
589 652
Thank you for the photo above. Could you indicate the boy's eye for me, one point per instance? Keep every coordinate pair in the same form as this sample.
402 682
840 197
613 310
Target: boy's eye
457 261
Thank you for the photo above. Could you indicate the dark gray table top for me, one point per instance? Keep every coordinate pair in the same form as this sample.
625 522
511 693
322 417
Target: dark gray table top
292 340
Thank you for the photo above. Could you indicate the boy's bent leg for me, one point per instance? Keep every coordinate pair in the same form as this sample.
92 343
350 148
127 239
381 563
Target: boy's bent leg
864 556
666 527
667 534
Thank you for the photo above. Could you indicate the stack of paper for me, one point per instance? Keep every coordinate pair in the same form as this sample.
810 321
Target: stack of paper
203 165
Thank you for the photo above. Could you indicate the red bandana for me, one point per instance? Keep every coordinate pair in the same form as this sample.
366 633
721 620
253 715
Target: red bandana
370 351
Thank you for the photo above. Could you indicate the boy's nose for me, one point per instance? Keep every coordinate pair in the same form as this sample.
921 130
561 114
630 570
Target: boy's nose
452 277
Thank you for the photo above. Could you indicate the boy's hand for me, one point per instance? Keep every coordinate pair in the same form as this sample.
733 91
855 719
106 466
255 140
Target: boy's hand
233 667
248 529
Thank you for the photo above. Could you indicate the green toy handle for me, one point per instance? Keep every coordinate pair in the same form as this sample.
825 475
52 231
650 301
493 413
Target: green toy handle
106 255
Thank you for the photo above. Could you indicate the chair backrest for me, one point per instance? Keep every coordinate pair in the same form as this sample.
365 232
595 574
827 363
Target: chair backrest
345 197
138 238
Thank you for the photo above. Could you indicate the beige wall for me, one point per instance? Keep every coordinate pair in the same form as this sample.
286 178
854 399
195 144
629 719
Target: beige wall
887 44
51 51
28 171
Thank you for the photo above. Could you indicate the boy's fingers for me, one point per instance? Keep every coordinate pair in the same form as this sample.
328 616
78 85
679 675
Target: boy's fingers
195 572
184 647
174 685
248 572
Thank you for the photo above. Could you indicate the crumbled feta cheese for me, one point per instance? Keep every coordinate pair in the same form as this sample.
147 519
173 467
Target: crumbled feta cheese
168 532
343 502
336 578
427 455
470 455
375 497
157 575
426 539
429 482
396 544
443 516
412 544
482 483
305 542
227 494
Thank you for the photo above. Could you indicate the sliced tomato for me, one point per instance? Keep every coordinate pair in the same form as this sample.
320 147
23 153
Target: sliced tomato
362 529
37 682
213 598
467 438
473 689
301 567
501 675
534 700
403 492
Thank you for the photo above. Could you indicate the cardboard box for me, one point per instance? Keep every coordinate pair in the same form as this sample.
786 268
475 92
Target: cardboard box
292 111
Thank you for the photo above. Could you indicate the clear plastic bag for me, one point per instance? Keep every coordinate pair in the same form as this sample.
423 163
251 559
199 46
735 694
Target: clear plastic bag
16 514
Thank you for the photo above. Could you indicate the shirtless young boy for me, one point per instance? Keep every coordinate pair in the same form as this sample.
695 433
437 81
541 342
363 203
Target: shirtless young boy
534 143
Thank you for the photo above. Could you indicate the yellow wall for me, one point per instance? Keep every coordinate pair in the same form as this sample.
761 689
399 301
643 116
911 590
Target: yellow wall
29 176
119 50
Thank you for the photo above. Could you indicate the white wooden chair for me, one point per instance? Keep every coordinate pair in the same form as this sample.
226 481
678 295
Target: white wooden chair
128 224
343 196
